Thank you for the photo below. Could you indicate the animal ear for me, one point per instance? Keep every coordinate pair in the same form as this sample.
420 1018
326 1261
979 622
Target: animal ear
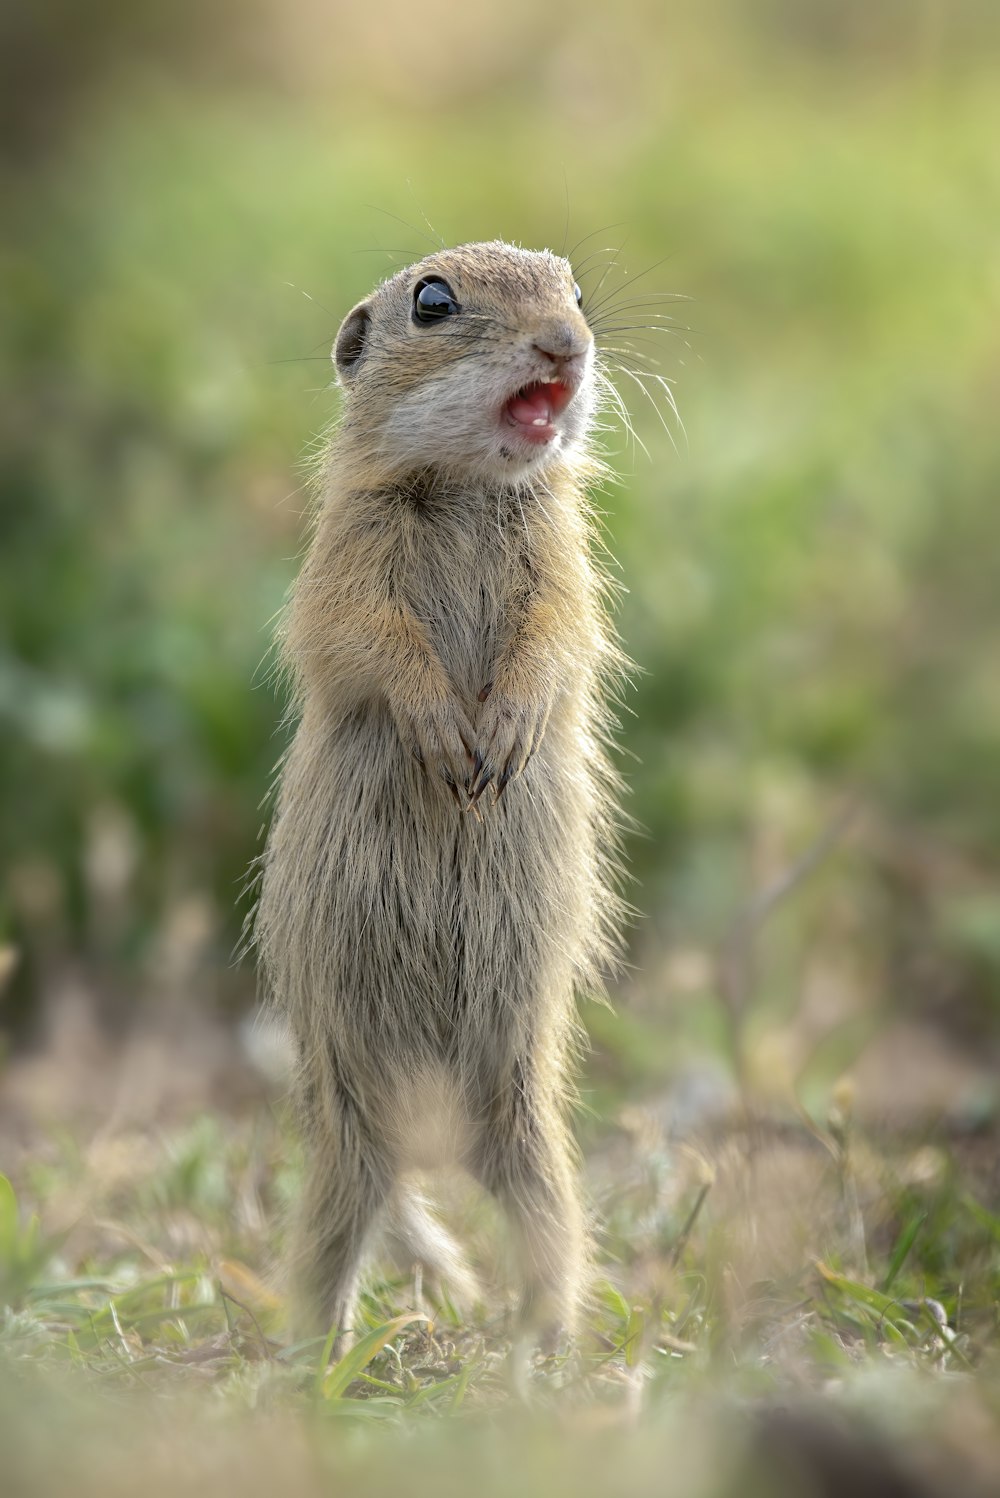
351 340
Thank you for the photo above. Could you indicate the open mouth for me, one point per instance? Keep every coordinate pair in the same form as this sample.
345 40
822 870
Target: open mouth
534 408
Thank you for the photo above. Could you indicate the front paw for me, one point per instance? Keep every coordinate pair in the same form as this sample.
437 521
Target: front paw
509 733
442 740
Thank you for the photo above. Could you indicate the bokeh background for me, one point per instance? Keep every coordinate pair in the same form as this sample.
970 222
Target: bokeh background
194 195
792 1108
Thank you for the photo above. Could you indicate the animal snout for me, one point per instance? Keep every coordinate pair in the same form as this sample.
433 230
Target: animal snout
563 343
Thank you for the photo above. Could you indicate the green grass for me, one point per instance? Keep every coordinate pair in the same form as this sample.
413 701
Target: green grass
761 1265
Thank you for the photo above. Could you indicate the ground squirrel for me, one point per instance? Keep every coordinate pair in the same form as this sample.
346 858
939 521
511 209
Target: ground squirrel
440 876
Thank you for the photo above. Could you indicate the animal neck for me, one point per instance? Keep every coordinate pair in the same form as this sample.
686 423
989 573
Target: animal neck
428 490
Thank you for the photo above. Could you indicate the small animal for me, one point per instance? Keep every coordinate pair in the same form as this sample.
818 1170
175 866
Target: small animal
441 873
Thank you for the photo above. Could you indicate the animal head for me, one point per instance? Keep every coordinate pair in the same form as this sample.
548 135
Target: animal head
476 361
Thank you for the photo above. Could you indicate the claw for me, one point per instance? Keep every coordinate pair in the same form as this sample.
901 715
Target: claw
449 782
481 786
505 780
487 689
477 765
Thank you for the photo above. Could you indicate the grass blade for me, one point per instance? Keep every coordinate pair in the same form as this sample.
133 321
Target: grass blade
904 1243
334 1381
875 1299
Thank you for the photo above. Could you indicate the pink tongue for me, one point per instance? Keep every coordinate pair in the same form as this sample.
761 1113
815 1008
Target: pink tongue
530 405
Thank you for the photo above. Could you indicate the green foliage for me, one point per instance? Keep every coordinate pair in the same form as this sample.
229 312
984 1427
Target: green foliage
22 1253
887 1308
811 577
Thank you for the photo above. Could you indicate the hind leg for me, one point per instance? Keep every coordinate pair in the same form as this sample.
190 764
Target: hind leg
345 1188
528 1162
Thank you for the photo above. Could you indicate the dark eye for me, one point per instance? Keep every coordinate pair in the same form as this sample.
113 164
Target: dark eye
578 294
433 300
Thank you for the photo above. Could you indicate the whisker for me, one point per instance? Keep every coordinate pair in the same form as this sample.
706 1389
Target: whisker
310 298
651 313
650 298
632 375
656 324
628 353
632 281
604 276
432 238
405 256
585 267
566 220
434 232
592 235
618 404
644 317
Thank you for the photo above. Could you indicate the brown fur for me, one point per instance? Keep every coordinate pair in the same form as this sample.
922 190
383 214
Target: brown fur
449 626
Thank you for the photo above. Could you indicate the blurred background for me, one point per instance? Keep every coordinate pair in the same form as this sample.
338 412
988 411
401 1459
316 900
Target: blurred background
194 194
